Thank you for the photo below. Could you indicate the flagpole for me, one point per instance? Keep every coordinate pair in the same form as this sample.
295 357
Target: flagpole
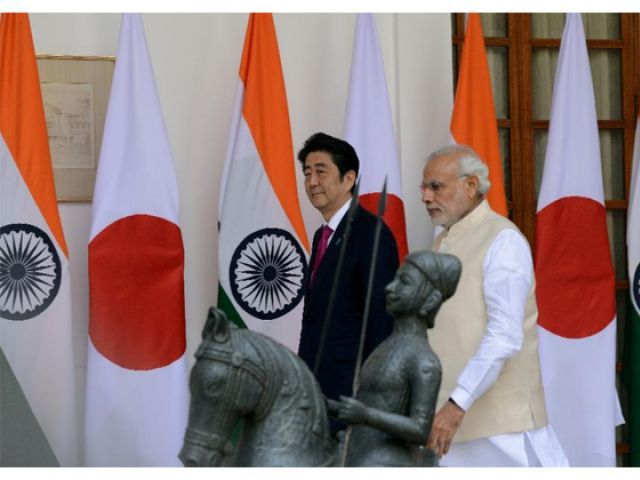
367 307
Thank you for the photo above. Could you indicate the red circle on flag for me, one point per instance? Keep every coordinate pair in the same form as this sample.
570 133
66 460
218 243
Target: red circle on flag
393 217
136 279
575 282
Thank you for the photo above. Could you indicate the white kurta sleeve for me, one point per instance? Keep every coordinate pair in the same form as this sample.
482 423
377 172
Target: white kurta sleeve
508 275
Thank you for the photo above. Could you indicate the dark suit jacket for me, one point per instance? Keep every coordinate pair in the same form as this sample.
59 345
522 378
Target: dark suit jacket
336 369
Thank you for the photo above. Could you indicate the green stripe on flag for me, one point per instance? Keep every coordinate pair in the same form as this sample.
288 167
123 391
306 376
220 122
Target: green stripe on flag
631 360
224 304
22 441
631 379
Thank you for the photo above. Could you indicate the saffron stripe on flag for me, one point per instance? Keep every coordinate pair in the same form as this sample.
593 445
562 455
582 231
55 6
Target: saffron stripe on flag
261 259
35 293
473 121
265 98
21 98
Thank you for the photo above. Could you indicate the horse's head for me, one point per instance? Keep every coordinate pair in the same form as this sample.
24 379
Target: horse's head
225 385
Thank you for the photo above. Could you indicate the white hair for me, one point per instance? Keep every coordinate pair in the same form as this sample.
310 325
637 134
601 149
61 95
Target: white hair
469 164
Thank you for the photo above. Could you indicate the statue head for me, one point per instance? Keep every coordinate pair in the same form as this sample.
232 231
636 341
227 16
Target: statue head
422 283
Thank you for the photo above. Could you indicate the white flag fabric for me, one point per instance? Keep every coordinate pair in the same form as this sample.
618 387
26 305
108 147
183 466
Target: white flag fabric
368 127
137 395
574 273
35 298
262 246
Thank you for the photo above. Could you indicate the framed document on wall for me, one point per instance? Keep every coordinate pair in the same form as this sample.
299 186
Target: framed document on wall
75 93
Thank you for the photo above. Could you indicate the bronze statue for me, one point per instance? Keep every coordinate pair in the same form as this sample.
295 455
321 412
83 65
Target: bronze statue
240 373
243 374
394 408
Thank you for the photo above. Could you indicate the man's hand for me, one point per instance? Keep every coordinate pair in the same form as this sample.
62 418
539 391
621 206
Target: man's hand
445 425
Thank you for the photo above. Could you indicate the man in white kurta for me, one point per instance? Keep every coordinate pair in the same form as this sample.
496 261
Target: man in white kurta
491 409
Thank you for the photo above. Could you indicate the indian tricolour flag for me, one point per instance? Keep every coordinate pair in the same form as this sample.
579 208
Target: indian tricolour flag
368 127
262 243
37 387
632 360
137 396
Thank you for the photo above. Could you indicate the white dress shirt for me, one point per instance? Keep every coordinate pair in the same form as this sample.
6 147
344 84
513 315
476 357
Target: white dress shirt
337 217
508 274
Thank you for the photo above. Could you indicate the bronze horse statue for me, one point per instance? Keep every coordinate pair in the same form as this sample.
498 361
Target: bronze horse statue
243 374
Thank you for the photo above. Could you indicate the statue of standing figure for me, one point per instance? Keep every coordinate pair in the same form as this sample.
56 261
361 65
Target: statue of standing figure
392 413
240 373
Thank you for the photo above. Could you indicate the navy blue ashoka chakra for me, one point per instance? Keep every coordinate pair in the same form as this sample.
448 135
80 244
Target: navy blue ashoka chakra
30 271
266 273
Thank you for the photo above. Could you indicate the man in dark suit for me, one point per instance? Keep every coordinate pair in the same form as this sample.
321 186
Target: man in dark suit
330 168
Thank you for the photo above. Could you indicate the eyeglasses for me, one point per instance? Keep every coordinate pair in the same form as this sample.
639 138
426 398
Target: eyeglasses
436 185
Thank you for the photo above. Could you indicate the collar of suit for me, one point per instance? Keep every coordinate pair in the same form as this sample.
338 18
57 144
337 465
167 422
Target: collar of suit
326 269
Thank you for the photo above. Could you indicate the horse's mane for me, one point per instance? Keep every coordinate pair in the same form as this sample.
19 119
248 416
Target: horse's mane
276 355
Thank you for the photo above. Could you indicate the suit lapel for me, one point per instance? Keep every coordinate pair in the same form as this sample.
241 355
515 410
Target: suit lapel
307 275
322 283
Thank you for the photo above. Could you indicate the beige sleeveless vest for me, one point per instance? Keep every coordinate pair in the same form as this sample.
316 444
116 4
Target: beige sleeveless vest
515 403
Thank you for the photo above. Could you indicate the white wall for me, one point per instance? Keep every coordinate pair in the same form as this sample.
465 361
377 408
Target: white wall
196 59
